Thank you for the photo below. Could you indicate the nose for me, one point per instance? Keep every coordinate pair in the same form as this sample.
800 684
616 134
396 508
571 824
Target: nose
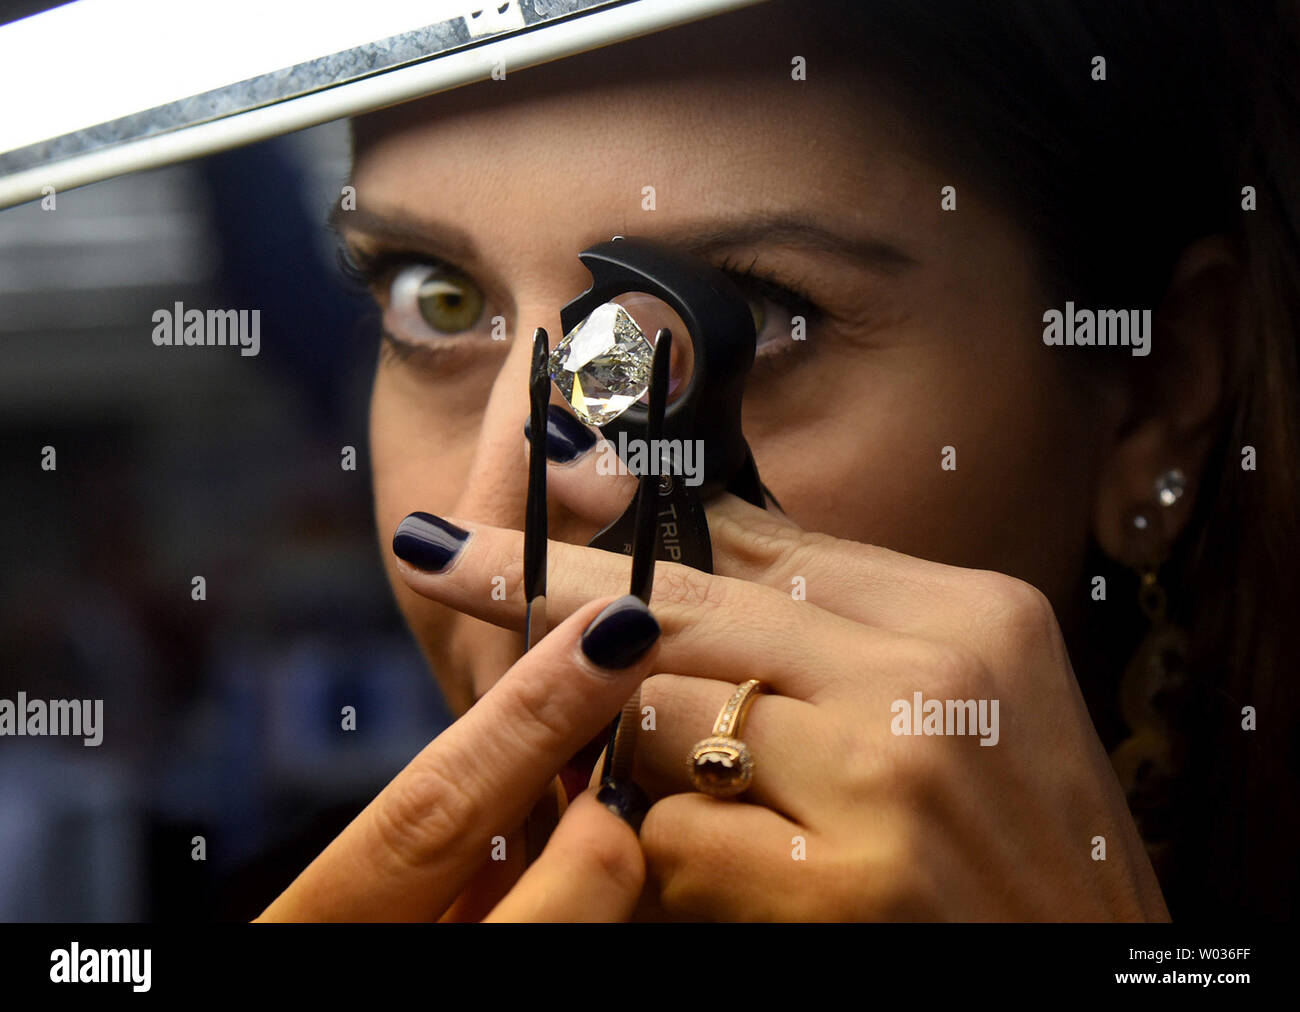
496 486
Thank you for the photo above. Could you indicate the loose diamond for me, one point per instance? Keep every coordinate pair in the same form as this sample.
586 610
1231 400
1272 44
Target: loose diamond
603 364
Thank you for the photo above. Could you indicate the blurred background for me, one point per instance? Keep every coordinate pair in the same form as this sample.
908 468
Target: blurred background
222 717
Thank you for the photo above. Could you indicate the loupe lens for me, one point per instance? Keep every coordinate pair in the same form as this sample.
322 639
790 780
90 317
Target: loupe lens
652 314
603 365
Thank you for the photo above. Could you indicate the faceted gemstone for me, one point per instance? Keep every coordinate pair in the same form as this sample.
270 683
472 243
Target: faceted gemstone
603 364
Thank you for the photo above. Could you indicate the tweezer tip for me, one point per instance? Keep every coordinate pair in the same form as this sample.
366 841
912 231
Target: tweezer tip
541 351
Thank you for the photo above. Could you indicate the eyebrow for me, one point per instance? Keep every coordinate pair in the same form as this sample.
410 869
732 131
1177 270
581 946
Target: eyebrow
454 242
788 229
703 237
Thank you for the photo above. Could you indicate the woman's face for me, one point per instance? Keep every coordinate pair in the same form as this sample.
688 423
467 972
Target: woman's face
924 326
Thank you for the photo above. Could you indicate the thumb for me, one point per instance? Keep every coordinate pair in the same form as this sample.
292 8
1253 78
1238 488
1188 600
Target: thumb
584 474
592 870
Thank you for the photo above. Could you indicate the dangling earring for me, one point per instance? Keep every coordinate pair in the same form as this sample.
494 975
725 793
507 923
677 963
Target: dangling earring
1147 763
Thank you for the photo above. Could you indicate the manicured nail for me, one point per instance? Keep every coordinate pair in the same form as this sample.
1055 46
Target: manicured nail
567 439
626 800
621 634
428 542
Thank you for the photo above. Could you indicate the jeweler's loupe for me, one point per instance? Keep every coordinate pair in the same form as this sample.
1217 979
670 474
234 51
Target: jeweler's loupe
602 368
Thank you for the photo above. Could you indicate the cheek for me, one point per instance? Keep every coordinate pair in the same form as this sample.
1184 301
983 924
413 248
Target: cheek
422 438
419 461
860 453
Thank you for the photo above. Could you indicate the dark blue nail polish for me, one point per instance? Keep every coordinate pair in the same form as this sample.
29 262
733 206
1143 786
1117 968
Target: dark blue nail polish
621 634
626 800
428 542
567 439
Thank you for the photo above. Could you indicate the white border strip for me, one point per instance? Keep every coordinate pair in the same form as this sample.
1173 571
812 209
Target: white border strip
539 45
95 61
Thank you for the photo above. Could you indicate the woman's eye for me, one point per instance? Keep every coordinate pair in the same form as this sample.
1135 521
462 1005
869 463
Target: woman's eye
773 322
429 298
775 306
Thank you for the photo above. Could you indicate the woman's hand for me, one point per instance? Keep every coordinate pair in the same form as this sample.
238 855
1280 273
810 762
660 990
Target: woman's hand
438 830
846 819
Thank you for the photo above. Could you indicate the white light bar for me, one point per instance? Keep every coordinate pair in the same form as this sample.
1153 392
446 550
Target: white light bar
98 88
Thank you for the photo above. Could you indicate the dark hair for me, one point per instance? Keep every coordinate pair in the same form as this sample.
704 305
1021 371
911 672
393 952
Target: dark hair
1201 98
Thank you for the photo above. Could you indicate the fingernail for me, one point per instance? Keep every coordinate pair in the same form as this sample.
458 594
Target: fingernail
428 542
567 439
626 800
621 634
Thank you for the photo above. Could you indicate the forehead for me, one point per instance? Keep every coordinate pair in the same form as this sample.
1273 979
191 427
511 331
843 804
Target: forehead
707 115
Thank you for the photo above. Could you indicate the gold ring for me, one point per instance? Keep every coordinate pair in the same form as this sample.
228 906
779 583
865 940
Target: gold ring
720 765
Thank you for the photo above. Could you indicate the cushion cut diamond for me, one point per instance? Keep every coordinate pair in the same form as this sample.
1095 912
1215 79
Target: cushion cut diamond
603 364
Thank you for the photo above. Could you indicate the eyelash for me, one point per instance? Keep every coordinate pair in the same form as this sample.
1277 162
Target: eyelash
366 272
369 272
789 295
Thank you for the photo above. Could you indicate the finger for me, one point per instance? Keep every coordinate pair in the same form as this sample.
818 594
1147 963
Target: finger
785 737
413 848
489 885
708 859
592 870
583 470
864 583
876 587
716 626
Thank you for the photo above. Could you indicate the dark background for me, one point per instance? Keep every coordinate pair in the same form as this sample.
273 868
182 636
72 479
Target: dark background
222 717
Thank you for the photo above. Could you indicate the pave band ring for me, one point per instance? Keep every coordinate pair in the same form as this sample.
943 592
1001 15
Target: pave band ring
721 765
